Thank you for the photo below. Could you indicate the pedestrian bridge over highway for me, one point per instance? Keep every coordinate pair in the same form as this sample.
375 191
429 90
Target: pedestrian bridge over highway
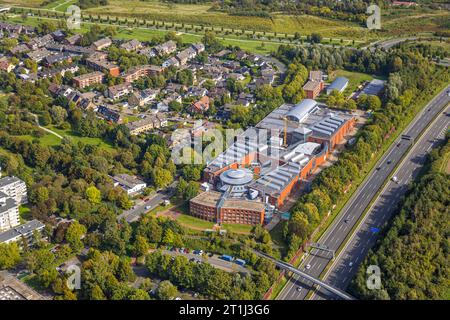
281 264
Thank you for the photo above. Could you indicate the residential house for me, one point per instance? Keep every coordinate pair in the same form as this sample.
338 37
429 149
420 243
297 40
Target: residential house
69 48
73 40
141 98
102 44
196 91
38 55
187 54
132 45
6 65
20 48
198 47
165 48
109 114
49 73
58 35
40 42
235 76
201 105
245 99
119 91
57 58
147 124
171 62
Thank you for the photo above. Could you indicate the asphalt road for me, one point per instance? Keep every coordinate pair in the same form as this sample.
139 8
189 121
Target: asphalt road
333 238
139 208
215 261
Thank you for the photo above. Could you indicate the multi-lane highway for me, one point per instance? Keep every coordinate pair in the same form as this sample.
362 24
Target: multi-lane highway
347 262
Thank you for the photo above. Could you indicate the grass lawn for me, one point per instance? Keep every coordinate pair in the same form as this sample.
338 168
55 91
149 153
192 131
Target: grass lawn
75 137
354 79
238 228
25 212
131 119
195 223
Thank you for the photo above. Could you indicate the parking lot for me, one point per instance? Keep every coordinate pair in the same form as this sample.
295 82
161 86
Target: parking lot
212 259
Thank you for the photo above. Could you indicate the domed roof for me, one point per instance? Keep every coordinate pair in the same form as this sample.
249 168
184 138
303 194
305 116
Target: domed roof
236 177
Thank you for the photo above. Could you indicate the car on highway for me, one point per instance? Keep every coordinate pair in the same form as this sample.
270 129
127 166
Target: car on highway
299 289
148 207
346 220
395 179
350 264
378 168
308 266
389 162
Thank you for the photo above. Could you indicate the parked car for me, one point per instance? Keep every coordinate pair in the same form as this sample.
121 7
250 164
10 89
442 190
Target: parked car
227 257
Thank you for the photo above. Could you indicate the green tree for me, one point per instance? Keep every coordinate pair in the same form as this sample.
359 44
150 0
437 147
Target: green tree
93 195
166 290
74 234
9 255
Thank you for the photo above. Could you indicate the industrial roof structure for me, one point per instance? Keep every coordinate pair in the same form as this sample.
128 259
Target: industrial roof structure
339 84
301 110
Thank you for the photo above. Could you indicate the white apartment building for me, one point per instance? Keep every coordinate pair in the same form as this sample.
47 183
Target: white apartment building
14 188
9 212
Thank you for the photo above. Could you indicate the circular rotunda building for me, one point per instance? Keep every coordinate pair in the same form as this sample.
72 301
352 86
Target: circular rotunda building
236 177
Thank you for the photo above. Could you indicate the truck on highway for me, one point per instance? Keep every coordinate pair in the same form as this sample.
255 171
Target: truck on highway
227 257
240 262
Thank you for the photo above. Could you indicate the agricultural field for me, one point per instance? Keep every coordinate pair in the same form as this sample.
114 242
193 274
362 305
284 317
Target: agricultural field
25 3
201 14
414 21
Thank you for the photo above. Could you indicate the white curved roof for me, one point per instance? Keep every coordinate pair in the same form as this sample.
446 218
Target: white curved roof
236 177
301 110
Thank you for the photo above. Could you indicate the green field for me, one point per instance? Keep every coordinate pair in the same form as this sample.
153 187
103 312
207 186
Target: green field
76 138
354 79
195 223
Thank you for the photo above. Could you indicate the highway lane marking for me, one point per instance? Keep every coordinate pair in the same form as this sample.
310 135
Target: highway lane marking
358 228
325 236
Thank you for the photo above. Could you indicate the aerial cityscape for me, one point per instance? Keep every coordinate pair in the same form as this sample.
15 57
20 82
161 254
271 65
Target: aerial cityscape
224 150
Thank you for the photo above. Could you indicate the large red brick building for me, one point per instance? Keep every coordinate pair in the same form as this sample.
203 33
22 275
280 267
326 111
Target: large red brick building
208 206
313 132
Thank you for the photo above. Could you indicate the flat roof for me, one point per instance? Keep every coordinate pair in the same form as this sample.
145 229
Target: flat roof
8 180
211 198
21 230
